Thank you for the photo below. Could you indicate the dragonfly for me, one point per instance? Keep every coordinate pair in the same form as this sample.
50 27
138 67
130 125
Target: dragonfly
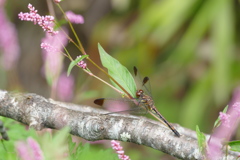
144 101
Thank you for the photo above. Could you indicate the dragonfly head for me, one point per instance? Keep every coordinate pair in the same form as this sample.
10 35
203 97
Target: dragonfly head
139 93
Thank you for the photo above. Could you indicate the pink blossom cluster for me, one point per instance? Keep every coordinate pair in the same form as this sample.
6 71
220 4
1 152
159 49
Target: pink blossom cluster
57 1
62 85
236 108
119 149
48 47
82 64
74 18
223 133
52 55
224 117
30 150
46 22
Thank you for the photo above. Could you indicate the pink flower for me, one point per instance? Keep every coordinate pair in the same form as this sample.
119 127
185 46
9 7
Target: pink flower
23 151
82 64
30 150
57 1
236 107
225 130
8 41
37 152
74 18
53 59
116 146
65 87
224 119
46 22
48 47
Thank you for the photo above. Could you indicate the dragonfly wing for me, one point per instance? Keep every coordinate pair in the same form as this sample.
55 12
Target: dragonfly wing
143 83
135 70
134 111
122 105
115 105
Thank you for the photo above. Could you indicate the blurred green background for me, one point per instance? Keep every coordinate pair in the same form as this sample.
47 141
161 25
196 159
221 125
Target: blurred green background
189 49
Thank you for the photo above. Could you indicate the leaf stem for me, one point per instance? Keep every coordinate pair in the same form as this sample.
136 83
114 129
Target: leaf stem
91 74
128 94
79 46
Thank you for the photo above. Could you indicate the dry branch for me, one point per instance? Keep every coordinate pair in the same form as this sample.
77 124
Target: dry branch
91 124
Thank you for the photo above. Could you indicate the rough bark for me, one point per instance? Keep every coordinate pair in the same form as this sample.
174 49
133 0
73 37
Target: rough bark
92 124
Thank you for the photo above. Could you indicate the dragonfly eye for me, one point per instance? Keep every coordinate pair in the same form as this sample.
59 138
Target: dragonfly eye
139 93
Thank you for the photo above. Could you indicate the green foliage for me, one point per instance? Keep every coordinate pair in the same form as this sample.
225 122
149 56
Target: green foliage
75 62
118 72
201 140
16 132
188 48
54 144
86 152
60 23
234 146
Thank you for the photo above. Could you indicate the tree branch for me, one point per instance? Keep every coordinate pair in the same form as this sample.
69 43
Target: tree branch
91 124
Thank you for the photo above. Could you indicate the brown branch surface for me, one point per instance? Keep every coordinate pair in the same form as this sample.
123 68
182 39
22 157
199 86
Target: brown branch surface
91 124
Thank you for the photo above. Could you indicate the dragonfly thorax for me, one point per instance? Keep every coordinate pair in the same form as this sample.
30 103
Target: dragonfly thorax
144 98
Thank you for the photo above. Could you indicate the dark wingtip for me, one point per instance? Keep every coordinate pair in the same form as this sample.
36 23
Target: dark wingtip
99 101
135 70
145 80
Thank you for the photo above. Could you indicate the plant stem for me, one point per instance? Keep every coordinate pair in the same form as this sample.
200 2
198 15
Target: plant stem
88 72
128 94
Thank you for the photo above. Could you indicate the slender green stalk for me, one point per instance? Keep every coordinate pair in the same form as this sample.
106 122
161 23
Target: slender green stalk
80 47
128 94
88 72
68 54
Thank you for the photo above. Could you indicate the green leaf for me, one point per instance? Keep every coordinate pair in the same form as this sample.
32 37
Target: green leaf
217 122
234 146
71 146
54 144
201 140
86 152
73 63
60 23
118 72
